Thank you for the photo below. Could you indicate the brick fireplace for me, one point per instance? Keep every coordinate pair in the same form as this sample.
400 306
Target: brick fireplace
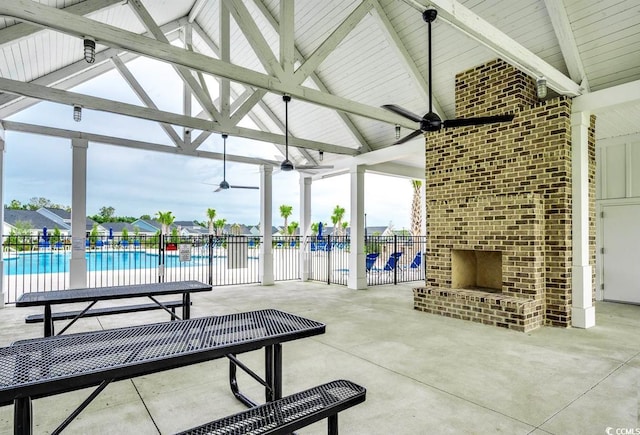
499 206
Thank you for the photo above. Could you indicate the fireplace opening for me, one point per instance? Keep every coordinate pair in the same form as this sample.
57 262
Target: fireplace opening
476 270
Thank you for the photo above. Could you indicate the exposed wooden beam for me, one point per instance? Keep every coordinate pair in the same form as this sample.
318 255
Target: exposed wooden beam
330 44
146 99
195 10
225 55
129 143
287 39
18 31
463 19
564 34
80 26
145 18
620 95
89 102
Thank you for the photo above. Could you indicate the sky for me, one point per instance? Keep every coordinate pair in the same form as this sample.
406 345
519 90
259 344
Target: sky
137 182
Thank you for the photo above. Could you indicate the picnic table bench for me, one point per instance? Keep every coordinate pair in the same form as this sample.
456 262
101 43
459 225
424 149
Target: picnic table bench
94 295
43 367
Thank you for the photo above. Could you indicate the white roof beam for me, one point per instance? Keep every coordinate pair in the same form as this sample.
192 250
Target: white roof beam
145 18
89 102
225 55
187 34
254 36
146 99
406 58
330 44
18 31
287 39
28 10
129 143
463 19
564 34
195 10
397 169
620 95
364 146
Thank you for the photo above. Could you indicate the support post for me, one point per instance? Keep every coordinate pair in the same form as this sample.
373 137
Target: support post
305 226
266 222
582 311
357 278
78 262
2 143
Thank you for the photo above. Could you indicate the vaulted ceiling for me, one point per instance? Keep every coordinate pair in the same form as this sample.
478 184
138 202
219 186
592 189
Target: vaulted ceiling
339 60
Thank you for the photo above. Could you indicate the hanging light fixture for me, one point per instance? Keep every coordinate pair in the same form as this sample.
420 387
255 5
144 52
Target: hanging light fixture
541 87
397 131
77 113
321 155
89 50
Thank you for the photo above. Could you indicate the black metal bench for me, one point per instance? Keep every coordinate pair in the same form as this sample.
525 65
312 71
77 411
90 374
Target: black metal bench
68 315
290 413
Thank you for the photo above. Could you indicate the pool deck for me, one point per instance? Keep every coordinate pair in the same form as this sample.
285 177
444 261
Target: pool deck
424 374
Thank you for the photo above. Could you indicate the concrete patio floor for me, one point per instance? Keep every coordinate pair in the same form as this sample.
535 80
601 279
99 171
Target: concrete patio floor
424 374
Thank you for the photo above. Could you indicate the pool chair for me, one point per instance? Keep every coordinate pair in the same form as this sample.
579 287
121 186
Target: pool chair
370 260
391 264
416 263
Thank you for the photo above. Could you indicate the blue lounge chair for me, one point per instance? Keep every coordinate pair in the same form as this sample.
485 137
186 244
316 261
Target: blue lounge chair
370 260
417 261
391 264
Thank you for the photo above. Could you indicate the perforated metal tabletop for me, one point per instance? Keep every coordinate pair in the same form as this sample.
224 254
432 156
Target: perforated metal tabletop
43 367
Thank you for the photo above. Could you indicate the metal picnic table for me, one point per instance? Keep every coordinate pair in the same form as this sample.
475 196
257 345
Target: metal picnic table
36 368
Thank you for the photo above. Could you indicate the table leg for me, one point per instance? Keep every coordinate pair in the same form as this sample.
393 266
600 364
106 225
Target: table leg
273 372
22 416
186 305
48 321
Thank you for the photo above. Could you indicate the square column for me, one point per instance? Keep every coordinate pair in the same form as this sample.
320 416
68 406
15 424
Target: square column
305 226
78 262
357 278
1 214
582 311
266 222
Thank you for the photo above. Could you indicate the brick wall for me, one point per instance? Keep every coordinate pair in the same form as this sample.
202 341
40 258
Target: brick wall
506 187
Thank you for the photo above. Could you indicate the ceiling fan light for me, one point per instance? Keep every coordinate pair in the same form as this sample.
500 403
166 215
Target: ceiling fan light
77 113
397 131
321 155
89 50
286 165
541 87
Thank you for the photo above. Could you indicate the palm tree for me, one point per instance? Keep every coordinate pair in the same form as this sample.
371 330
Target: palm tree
166 219
211 215
336 219
219 225
291 229
285 212
416 208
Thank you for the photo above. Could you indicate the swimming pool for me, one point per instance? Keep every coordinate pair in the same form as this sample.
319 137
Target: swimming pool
58 262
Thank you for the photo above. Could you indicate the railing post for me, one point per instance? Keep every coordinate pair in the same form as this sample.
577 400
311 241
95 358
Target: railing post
328 251
161 258
395 263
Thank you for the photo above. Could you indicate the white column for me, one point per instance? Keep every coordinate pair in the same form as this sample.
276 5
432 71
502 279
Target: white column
1 214
582 312
305 225
357 270
266 222
78 262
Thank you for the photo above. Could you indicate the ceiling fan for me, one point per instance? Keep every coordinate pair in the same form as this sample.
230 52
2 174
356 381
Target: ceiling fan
431 121
287 165
223 184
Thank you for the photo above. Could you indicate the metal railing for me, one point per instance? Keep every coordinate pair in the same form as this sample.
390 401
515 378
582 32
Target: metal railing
33 264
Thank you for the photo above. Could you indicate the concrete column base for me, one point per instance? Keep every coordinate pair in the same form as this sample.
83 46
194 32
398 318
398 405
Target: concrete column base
78 272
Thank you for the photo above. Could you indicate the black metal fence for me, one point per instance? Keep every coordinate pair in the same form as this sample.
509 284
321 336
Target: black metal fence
33 264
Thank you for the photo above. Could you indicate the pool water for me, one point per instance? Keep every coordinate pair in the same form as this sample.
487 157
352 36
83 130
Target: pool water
58 262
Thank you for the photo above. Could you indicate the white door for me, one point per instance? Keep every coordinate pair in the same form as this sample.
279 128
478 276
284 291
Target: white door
621 258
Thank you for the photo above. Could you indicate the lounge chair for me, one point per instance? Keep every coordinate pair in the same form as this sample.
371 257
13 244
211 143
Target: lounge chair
370 260
391 264
416 263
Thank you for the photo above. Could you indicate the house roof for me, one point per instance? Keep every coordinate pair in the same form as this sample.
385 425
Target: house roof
343 59
37 220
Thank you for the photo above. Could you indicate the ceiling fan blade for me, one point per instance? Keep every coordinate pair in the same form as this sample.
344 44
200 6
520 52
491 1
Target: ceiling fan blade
218 189
314 167
408 137
463 122
244 187
402 112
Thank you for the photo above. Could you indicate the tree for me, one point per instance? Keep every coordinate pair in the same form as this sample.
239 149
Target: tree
336 219
314 228
20 236
291 229
106 213
15 205
38 202
166 219
125 235
211 215
219 226
416 208
93 235
145 217
55 237
285 212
